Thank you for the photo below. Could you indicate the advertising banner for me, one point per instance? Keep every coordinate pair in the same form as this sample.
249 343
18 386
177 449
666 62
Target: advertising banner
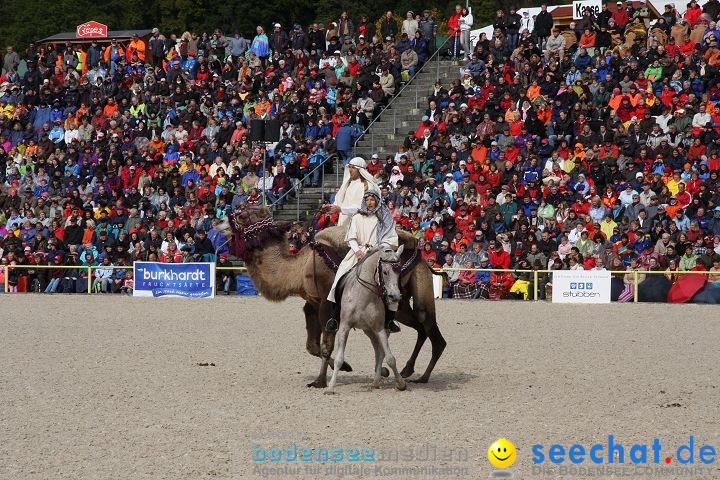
91 29
194 280
579 7
581 286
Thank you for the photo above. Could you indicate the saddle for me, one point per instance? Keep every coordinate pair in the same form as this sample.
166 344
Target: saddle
340 288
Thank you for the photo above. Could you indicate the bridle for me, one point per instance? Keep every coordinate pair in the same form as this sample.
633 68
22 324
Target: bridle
249 238
378 283
252 230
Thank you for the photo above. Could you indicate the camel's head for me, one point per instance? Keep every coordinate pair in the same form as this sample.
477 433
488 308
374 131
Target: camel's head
252 226
246 215
389 274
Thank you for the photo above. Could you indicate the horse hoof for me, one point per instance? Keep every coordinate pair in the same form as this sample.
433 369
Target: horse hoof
401 386
317 384
329 392
346 367
419 380
375 386
406 372
385 372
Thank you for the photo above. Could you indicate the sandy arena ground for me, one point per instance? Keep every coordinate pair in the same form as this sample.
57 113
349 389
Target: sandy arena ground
111 387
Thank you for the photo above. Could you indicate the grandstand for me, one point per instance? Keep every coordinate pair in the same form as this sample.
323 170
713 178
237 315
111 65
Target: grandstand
539 142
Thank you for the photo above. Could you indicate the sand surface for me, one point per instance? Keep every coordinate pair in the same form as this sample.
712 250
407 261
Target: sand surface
111 388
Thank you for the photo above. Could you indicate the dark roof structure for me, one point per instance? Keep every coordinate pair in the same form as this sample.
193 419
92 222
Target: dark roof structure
118 34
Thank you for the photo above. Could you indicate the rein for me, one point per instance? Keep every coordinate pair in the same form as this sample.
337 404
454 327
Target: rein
378 285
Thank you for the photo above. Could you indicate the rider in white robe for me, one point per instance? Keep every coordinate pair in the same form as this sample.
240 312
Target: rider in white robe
370 227
356 181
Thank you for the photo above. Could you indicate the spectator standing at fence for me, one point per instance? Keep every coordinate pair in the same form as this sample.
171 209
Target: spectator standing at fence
410 24
454 28
345 28
238 46
260 45
427 26
527 23
466 23
11 60
512 28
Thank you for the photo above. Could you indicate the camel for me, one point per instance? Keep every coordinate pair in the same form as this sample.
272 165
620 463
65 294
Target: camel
363 308
276 274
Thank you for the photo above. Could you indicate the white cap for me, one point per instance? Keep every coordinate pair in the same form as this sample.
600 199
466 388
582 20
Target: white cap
374 155
277 25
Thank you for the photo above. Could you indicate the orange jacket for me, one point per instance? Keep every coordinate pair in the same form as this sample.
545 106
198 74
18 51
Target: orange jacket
136 46
587 40
106 54
544 115
110 109
616 101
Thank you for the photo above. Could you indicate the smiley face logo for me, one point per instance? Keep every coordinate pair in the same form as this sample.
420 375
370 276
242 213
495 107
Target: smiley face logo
501 453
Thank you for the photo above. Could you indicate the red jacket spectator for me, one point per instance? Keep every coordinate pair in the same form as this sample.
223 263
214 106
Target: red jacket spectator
499 258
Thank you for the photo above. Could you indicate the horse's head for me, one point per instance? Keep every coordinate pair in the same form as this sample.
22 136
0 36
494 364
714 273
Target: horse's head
389 274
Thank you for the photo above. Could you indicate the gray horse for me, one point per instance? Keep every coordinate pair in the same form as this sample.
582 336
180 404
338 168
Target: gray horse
362 308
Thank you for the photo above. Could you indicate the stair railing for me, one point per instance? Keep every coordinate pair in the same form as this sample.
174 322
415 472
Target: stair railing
297 187
436 56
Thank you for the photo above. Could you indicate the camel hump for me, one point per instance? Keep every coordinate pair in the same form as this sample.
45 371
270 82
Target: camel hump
333 237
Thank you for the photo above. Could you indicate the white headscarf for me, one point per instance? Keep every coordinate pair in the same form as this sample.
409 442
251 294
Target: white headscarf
360 164
386 223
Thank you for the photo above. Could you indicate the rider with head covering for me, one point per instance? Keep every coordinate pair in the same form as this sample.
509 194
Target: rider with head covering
371 226
356 181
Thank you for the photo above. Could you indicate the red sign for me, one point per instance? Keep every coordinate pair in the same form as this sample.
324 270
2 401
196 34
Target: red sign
91 30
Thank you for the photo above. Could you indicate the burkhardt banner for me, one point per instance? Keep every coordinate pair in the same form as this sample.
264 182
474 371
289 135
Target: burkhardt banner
195 280
581 286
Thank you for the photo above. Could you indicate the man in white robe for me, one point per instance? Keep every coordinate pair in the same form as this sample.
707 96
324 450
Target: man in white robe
372 225
356 181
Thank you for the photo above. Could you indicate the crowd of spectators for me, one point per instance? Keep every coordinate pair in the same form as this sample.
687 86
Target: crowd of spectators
590 147
135 150
595 146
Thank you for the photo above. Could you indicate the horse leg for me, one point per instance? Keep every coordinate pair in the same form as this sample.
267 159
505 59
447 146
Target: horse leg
406 316
390 358
328 338
342 340
321 380
438 346
320 344
378 358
